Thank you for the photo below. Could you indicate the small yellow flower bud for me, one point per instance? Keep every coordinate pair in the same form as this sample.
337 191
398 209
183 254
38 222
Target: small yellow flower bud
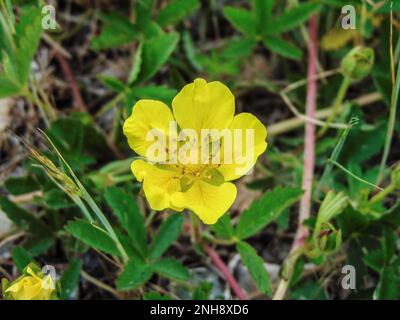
358 63
32 285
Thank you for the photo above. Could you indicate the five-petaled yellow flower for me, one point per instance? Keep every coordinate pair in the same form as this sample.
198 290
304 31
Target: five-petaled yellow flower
31 286
203 187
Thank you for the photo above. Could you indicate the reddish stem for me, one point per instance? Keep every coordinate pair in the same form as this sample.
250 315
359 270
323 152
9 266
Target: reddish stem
309 153
215 258
309 144
71 80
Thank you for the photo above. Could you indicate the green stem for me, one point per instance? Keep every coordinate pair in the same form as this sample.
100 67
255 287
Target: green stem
391 125
223 242
82 206
196 239
92 204
110 104
337 105
383 194
47 110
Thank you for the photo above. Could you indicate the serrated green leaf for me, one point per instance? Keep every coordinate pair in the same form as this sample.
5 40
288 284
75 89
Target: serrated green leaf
175 11
292 18
92 236
129 216
27 36
171 268
265 210
69 279
282 47
21 258
135 274
117 30
255 265
166 235
243 20
155 53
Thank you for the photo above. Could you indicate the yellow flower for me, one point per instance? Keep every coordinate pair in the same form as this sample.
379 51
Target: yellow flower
192 163
31 286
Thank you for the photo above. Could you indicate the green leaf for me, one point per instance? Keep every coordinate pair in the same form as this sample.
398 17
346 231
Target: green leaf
239 48
27 37
171 268
112 83
117 30
389 245
155 53
223 228
135 274
167 234
144 10
21 258
69 279
282 47
266 210
262 10
363 143
8 87
21 185
23 219
93 236
242 20
129 216
56 199
374 260
388 287
203 291
154 295
190 51
162 93
175 11
137 65
78 138
255 265
292 18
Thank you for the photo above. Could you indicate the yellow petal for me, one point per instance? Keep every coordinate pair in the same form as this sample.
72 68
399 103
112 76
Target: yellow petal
159 183
207 201
243 158
202 105
26 288
32 291
148 116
